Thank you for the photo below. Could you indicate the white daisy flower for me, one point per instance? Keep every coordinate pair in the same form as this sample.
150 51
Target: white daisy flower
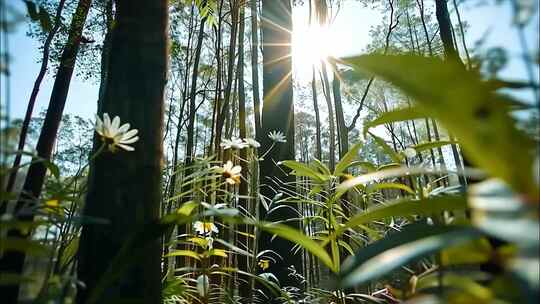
205 228
231 173
233 143
409 152
251 142
277 136
116 135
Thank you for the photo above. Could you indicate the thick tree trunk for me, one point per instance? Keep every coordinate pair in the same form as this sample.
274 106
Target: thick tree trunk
278 115
124 188
12 262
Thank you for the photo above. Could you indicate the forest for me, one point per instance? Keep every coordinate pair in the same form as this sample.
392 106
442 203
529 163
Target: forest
269 151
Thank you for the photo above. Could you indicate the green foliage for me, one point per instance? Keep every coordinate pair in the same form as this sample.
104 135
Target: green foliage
467 106
398 249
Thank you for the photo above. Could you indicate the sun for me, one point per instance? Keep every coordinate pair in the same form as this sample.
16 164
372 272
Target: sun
311 45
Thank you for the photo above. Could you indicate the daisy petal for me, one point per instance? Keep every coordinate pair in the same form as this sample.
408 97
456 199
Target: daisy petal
126 147
130 133
129 140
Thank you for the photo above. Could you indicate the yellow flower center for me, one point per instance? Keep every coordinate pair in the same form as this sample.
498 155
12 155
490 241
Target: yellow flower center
208 226
264 264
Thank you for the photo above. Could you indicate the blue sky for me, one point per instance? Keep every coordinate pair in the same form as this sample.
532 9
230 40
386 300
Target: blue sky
352 26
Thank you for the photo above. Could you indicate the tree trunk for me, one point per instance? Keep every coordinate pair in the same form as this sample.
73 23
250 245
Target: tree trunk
33 96
255 68
124 188
343 132
331 123
242 240
222 112
192 97
278 115
445 30
12 262
318 152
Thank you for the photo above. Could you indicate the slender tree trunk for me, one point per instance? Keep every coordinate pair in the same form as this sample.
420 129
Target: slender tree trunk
331 123
462 34
33 95
244 287
445 30
124 188
192 97
318 152
217 98
278 115
343 132
255 68
12 262
222 112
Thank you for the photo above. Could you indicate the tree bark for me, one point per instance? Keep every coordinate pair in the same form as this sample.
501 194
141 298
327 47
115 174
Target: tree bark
193 95
124 188
242 240
255 68
222 111
13 262
343 132
33 95
445 30
278 115
318 152
331 123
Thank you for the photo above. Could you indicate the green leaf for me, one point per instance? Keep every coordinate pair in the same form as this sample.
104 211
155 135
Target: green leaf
426 206
467 107
321 167
461 283
380 186
301 239
396 157
300 169
187 208
394 171
347 159
186 253
474 252
369 167
400 248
